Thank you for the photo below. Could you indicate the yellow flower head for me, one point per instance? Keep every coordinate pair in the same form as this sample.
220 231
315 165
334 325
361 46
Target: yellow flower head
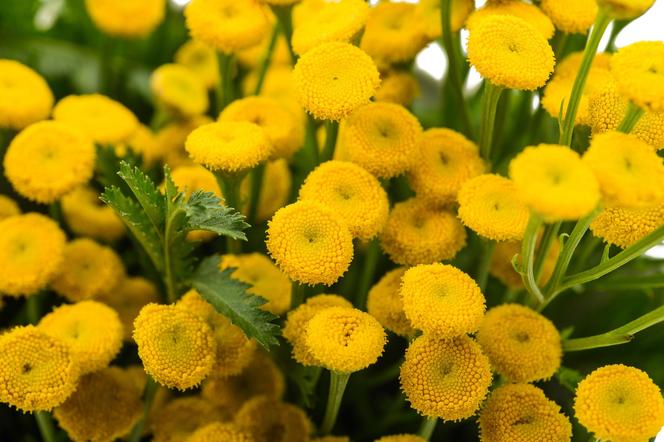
333 21
25 97
398 87
217 431
296 325
262 415
571 16
128 298
522 345
448 160
171 140
445 378
177 347
126 18
143 143
521 413
625 9
90 271
179 90
639 72
428 11
401 438
181 417
201 60
8 207
509 52
105 406
490 205
531 14
501 263
284 129
275 190
47 160
265 278
623 227
87 215
37 371
331 439
310 243
104 120
554 182
619 403
31 252
416 233
333 79
441 300
385 304
382 138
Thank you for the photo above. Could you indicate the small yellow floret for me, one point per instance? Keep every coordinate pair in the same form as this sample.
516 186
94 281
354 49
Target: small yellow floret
8 207
201 59
428 11
623 227
87 215
529 13
25 97
179 90
128 298
398 87
385 304
639 72
571 16
218 432
182 416
625 9
126 18
261 415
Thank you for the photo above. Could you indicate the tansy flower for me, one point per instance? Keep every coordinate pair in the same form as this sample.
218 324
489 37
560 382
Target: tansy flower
172 137
275 190
448 159
639 72
227 25
265 278
229 146
126 18
629 172
181 417
25 97
509 52
270 420
501 263
90 271
105 406
345 339
217 431
554 182
571 16
382 138
177 347
529 13
490 205
178 90
296 325
310 243
92 330
8 207
331 439
521 413
47 160
617 402
31 252
401 438
522 345
398 87
144 143
416 233
104 120
128 298
278 83
623 227
445 378
385 304
37 371
428 11
625 9
201 60
86 215
333 79
441 300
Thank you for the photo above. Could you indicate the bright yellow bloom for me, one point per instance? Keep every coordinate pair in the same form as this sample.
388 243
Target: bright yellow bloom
639 72
37 371
128 298
501 263
385 304
143 143
445 378
398 87
126 18
261 415
201 60
521 413
529 13
554 182
87 215
509 52
623 227
8 207
189 179
179 90
217 431
428 11
280 2
31 252
333 79
181 417
401 438
171 140
25 97
275 190
571 16
619 403
522 345
625 9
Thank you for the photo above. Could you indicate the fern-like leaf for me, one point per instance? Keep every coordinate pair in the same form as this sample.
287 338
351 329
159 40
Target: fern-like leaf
145 192
205 212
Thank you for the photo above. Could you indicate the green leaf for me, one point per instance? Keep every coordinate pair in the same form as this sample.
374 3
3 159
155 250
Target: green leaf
146 193
205 212
569 378
229 297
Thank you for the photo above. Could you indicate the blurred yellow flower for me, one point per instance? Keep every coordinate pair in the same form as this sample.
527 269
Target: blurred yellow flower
126 18
25 97
178 90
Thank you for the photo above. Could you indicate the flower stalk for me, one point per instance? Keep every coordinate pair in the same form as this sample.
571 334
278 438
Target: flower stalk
490 98
528 255
45 424
370 263
266 60
230 187
338 383
632 116
331 132
427 428
224 93
149 392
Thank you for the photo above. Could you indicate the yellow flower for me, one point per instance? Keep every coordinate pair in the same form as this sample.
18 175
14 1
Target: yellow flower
8 207
201 60
332 439
229 146
181 417
333 21
92 330
126 18
310 243
31 252
105 406
401 438
382 138
87 215
522 345
521 413
445 378
47 160
639 72
25 97
261 415
554 182
265 278
297 323
509 52
275 190
428 11
227 25
398 87
571 16
345 339
143 143
284 129
217 431
171 140
104 120
333 79
489 205
278 84
448 160
619 403
179 90
252 57
37 371
385 304
280 2
625 9
501 263
416 233
529 13
128 298
177 347
623 227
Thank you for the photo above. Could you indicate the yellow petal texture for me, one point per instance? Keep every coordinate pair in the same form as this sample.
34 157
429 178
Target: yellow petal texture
571 16
529 13
181 417
179 90
217 431
126 18
8 207
25 97
128 298
625 9
87 215
201 59
385 304
261 415
639 72
429 12
623 227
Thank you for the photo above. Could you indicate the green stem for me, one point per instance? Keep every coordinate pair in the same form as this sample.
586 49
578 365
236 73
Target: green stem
369 265
550 234
311 142
285 19
266 60
482 275
427 428
632 116
55 212
585 252
490 98
561 45
633 282
257 177
169 277
45 424
297 294
331 131
230 186
33 308
338 383
527 257
149 392
224 89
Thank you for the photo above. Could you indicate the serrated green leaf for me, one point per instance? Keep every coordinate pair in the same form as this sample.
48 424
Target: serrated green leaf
205 212
173 195
229 297
145 192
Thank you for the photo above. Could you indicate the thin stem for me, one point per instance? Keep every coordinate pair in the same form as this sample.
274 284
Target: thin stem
149 392
482 275
331 131
427 428
224 89
550 235
230 186
369 265
527 257
490 98
33 308
297 294
285 19
169 280
45 424
311 142
561 44
338 383
632 116
266 60
257 177
55 212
